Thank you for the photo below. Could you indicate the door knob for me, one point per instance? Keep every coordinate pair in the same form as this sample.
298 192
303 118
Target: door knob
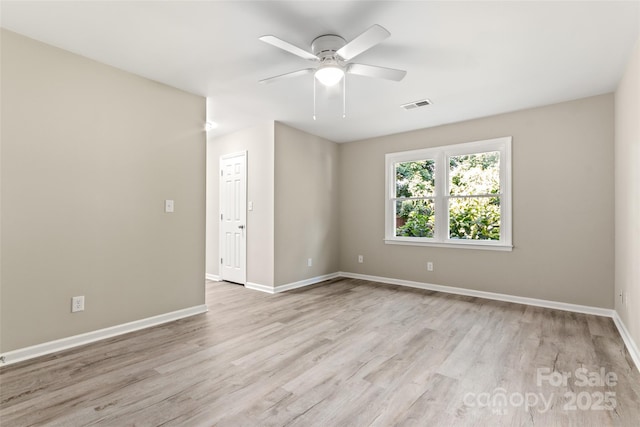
241 227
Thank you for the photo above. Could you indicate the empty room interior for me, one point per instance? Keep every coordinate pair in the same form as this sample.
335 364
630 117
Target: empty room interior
320 213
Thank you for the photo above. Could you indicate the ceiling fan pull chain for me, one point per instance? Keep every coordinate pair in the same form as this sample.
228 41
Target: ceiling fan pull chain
344 96
314 98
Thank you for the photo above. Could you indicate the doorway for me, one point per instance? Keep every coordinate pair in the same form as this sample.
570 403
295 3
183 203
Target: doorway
233 217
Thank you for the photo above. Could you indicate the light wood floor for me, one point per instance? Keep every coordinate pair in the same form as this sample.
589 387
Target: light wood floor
342 353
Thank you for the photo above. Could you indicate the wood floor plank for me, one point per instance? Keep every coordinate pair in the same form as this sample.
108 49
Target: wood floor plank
345 352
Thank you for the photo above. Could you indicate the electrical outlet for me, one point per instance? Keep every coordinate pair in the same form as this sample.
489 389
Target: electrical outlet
429 266
360 259
309 262
77 304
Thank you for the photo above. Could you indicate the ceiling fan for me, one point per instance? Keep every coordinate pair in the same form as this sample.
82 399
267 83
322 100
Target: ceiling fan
333 53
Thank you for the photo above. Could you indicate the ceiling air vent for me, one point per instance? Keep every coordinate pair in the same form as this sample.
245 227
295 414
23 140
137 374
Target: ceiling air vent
416 104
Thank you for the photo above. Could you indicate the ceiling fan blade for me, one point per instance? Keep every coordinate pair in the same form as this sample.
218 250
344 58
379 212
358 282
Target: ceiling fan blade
279 43
376 72
371 37
288 75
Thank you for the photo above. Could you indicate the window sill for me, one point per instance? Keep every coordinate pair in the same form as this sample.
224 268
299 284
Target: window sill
478 246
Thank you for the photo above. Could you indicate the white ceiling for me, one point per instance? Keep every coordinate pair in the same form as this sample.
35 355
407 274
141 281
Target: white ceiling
472 59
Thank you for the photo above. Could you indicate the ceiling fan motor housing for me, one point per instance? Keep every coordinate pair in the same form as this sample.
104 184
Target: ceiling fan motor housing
325 47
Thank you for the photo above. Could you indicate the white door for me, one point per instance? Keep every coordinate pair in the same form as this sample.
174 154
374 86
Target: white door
233 217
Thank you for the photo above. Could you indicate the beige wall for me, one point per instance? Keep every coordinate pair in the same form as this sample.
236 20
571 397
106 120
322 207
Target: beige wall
258 142
562 207
306 214
283 231
627 194
89 154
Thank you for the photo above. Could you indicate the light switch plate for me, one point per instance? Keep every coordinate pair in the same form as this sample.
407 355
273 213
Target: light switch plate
168 206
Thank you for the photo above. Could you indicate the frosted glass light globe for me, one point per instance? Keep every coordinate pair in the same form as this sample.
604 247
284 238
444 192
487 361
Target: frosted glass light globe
329 75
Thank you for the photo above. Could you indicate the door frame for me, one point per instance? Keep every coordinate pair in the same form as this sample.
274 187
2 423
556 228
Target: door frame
220 211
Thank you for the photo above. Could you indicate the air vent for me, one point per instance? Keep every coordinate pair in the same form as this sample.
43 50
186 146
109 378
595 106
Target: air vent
416 104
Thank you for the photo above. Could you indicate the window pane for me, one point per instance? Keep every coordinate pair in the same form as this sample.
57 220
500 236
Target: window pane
415 179
415 218
474 174
474 218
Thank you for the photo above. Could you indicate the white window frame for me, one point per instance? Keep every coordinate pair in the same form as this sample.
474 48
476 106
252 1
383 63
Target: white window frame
441 198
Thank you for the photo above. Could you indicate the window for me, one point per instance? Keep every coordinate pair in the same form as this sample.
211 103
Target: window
455 195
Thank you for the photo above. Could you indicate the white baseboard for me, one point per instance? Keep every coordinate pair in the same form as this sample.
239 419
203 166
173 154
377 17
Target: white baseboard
306 282
259 287
213 277
290 286
628 340
27 353
488 295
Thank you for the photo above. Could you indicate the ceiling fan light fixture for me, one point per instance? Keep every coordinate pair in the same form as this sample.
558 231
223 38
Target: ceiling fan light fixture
329 75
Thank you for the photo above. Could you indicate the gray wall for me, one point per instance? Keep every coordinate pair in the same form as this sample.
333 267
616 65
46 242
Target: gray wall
306 197
258 142
563 207
627 192
89 154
